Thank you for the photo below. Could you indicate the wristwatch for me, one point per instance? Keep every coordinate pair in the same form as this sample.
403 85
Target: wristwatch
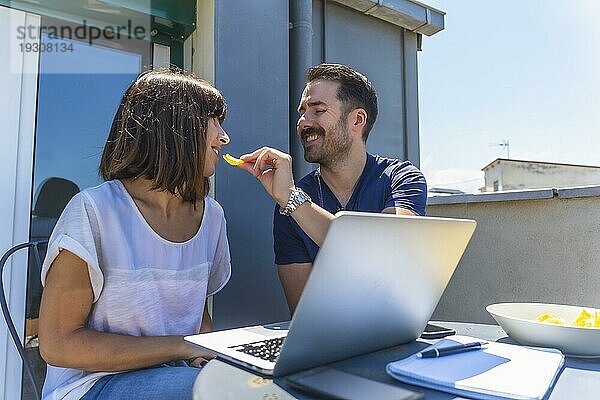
297 198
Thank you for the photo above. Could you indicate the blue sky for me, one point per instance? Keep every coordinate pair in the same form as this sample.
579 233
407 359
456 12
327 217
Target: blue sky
525 71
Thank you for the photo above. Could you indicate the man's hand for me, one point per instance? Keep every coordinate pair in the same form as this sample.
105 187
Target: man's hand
273 168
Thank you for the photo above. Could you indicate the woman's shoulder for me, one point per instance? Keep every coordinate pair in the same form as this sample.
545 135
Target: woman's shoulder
105 194
212 206
107 188
95 200
85 201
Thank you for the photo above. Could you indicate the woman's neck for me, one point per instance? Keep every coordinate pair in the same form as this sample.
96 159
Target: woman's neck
141 191
169 215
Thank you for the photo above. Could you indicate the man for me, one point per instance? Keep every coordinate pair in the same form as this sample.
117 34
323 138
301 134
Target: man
336 113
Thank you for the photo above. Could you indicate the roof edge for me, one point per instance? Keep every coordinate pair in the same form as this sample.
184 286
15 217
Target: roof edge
515 160
408 14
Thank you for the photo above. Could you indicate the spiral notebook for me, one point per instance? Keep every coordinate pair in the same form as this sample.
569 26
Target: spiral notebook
500 371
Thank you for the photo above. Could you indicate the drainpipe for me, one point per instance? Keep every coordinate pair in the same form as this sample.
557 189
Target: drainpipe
300 60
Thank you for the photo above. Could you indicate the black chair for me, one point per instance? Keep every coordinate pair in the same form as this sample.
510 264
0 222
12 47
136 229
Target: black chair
50 199
6 313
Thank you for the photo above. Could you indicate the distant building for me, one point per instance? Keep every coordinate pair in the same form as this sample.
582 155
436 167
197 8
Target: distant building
506 174
444 191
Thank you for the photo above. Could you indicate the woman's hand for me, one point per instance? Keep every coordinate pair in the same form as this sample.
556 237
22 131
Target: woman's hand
273 168
200 361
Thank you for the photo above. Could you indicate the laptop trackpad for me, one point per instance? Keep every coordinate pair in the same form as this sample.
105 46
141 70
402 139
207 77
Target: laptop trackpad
278 325
267 330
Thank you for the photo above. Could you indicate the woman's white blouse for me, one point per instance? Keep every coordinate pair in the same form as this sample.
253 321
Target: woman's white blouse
143 284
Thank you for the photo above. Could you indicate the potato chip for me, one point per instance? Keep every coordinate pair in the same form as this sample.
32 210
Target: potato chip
585 319
550 319
231 160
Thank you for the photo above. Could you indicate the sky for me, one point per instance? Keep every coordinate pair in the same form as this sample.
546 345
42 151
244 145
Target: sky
525 71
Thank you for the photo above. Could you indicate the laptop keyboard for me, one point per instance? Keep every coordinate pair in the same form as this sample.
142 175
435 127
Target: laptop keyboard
265 349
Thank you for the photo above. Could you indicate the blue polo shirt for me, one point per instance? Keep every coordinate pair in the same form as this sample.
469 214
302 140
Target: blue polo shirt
384 182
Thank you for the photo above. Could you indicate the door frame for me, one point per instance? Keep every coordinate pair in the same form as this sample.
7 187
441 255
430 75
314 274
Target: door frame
19 103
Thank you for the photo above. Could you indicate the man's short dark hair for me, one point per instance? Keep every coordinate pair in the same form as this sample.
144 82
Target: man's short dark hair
159 132
355 90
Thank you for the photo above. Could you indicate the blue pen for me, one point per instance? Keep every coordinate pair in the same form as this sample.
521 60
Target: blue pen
446 351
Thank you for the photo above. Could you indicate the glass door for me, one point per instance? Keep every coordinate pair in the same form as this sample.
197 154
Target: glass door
80 85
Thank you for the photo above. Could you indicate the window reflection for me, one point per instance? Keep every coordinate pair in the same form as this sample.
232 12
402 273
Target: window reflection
75 110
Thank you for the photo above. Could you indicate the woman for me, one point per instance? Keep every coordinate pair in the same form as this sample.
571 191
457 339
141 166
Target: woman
131 261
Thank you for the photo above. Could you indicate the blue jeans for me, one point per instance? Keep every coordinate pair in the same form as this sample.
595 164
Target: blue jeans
164 382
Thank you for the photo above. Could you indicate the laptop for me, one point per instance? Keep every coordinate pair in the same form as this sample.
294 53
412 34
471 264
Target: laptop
374 284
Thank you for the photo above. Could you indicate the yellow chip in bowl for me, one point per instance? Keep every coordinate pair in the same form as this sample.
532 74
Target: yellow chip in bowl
231 160
550 319
585 319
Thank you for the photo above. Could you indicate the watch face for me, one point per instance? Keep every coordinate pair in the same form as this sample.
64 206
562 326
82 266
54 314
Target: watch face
302 196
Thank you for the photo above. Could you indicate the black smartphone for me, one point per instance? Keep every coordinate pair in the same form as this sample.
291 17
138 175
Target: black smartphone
329 383
436 332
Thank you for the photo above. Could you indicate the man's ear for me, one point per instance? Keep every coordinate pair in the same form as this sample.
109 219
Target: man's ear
358 119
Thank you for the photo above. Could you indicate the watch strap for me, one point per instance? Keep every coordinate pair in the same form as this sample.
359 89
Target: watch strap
297 198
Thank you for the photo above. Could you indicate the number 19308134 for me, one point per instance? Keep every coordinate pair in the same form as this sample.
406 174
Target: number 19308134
46 47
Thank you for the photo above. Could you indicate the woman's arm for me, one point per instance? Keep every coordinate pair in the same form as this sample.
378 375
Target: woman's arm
206 325
66 342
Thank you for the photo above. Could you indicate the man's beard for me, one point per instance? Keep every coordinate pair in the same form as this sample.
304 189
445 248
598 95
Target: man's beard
335 146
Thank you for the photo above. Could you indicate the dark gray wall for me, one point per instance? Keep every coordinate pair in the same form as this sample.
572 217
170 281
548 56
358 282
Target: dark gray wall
251 69
377 49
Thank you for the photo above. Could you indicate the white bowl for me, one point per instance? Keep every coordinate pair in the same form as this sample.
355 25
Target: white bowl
518 321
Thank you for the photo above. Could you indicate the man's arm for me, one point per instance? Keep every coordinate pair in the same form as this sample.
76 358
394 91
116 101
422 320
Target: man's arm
293 278
313 220
398 211
273 168
408 194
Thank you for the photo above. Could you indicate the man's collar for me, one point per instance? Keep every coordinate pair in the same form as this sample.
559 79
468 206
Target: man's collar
369 159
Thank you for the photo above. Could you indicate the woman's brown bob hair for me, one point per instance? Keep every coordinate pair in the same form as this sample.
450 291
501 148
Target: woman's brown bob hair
159 132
